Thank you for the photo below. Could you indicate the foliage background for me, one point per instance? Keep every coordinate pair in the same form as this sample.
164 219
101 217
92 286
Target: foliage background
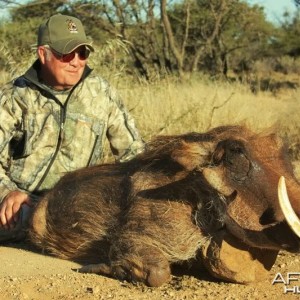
151 38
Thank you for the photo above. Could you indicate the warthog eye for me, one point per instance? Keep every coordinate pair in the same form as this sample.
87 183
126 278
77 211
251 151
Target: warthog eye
234 147
233 155
227 150
236 161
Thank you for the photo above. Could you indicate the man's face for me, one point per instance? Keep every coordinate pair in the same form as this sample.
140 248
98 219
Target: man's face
62 72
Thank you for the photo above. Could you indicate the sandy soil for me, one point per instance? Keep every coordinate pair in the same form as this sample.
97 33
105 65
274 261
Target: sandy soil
25 274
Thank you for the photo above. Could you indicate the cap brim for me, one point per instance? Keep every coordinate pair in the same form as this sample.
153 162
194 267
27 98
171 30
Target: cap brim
65 47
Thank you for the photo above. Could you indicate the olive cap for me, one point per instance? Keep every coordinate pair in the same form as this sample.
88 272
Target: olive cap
63 34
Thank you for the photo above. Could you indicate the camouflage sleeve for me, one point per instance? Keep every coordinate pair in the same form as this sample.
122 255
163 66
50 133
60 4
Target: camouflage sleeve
8 123
124 138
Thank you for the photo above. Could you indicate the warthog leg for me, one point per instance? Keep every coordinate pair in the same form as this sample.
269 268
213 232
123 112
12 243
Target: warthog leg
152 267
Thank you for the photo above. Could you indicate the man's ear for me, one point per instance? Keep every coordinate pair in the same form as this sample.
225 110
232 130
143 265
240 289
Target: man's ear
194 154
42 54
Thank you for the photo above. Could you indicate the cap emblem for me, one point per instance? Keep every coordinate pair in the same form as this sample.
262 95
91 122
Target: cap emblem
72 26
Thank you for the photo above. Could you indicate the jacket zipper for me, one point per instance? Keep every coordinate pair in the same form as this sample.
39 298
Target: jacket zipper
59 142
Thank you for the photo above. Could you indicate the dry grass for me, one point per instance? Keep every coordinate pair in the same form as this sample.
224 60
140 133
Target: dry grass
169 107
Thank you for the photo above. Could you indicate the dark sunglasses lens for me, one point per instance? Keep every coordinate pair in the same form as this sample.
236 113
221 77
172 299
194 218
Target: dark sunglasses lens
68 57
82 54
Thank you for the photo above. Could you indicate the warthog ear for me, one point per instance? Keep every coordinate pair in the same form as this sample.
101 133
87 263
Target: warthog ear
194 154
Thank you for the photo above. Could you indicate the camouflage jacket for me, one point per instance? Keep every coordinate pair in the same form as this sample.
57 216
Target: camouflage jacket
41 138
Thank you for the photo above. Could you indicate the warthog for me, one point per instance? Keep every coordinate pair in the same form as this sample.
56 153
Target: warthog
138 218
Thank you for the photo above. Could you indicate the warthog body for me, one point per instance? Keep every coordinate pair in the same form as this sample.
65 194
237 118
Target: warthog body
139 217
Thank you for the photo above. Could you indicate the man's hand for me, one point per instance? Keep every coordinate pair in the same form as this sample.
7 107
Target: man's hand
10 207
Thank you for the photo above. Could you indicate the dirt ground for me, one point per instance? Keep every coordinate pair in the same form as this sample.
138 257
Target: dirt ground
26 274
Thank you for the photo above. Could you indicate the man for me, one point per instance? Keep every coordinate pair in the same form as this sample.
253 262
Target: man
55 119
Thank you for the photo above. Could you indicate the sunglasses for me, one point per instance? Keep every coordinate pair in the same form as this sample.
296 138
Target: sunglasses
83 54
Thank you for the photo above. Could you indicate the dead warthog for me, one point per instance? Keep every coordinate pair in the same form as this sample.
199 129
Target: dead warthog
139 217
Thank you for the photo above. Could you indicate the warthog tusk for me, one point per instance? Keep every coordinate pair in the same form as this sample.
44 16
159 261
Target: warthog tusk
289 214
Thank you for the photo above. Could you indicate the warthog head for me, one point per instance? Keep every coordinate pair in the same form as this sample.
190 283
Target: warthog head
244 169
